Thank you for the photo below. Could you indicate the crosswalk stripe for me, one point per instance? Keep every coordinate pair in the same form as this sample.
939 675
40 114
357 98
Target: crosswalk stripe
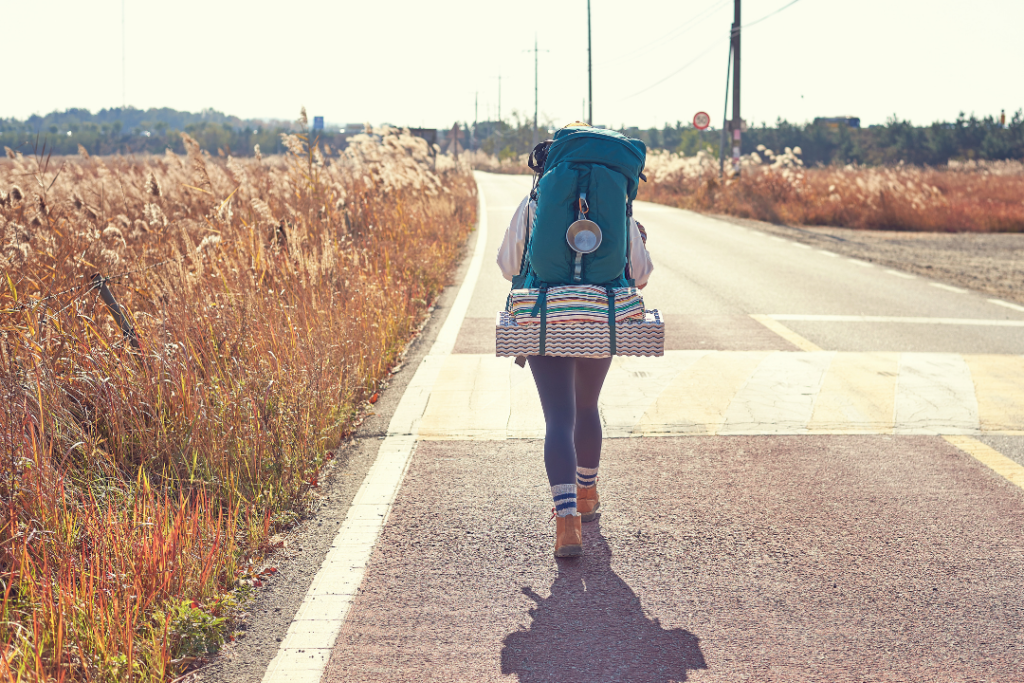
935 394
696 400
999 386
779 396
638 383
470 398
858 395
746 392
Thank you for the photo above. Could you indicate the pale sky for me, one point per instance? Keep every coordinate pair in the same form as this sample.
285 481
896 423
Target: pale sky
420 63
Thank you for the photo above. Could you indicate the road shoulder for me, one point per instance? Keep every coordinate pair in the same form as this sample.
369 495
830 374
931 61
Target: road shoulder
990 263
265 620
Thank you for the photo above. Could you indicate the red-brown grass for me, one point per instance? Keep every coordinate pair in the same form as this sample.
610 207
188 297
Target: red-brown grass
777 188
138 486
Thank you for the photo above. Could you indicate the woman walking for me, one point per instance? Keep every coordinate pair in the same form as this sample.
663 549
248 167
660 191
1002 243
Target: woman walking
570 387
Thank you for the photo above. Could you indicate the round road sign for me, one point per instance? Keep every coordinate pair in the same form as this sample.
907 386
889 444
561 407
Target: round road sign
701 120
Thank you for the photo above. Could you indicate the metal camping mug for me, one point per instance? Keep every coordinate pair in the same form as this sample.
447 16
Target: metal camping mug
583 236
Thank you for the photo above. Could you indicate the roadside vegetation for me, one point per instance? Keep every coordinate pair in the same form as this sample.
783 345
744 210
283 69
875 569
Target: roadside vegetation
145 462
897 140
974 196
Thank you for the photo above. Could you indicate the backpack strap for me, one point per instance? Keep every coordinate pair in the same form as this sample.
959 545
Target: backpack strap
584 209
542 304
611 318
519 281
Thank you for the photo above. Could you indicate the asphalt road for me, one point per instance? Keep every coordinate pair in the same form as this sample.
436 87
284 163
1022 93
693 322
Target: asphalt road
820 481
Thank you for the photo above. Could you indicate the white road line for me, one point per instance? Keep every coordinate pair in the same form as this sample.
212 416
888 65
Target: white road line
306 649
980 322
948 288
858 262
898 273
935 394
1007 304
800 245
830 253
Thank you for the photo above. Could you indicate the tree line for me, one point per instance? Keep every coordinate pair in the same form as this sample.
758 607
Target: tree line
150 131
136 131
967 137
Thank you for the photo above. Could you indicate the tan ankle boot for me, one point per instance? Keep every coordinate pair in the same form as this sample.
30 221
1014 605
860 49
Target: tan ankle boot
587 502
568 536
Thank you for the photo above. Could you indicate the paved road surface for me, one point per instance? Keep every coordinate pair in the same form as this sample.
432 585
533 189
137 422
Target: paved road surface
820 481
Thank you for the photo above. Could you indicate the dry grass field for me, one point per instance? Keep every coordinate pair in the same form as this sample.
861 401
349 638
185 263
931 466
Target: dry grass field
966 197
778 188
140 481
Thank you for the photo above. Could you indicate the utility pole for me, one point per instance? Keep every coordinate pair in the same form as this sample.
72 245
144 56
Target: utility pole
499 98
737 122
476 118
725 120
590 72
535 51
534 90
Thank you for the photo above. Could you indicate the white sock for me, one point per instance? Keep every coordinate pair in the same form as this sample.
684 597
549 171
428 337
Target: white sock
565 499
586 477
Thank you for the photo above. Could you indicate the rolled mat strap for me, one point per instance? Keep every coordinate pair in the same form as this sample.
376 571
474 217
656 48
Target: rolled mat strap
611 320
542 303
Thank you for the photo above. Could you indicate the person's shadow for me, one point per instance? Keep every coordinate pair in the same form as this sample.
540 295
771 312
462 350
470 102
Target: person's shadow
592 628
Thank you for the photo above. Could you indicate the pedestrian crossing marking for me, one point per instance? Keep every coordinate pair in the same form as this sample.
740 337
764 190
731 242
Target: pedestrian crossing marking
697 399
746 392
469 398
999 385
859 389
779 396
935 395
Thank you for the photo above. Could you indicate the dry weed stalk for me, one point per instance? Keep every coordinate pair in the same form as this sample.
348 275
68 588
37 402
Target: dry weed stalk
271 295
981 197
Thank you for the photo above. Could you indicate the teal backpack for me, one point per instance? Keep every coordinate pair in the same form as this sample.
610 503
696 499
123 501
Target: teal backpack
591 173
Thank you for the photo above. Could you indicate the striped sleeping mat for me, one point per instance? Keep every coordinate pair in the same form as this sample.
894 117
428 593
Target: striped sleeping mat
582 340
577 304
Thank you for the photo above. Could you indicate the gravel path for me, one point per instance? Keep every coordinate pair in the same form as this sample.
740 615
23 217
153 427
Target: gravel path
991 263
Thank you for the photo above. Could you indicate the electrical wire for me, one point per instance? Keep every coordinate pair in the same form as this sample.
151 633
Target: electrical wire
712 47
691 23
770 15
682 68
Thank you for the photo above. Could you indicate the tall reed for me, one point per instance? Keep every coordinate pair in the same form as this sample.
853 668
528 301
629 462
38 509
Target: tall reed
138 486
978 197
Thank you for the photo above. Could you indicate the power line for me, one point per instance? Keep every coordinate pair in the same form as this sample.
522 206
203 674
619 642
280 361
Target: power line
683 67
771 14
716 45
674 33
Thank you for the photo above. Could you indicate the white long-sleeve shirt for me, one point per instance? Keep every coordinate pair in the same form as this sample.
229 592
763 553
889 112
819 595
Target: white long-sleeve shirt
510 256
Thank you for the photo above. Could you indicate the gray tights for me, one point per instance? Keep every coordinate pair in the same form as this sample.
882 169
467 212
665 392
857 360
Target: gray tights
569 389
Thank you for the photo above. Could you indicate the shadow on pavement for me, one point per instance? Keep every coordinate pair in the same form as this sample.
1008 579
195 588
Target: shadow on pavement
593 628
